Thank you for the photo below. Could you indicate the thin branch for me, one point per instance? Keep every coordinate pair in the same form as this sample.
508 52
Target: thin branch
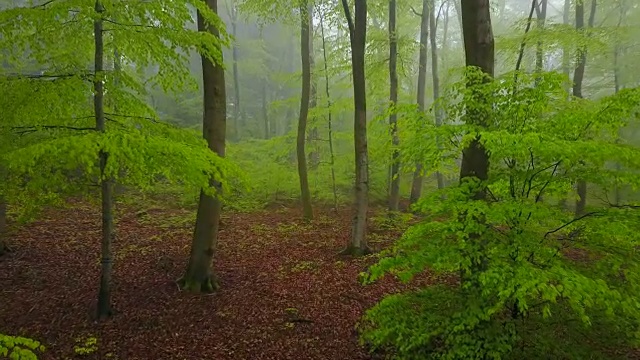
347 13
524 40
413 10
593 213
131 25
22 130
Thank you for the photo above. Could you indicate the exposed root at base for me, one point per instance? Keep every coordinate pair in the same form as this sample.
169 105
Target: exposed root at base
206 286
356 251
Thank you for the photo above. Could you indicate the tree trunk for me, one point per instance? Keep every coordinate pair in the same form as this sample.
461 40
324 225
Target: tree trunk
237 121
566 59
358 38
479 52
199 275
329 117
416 186
314 154
541 13
435 76
394 188
578 77
107 187
265 109
3 226
305 25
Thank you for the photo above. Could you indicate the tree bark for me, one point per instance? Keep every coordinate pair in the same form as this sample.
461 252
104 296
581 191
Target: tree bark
237 121
479 52
305 24
107 185
435 76
578 77
3 226
416 185
394 188
329 116
265 109
541 13
199 276
314 154
358 36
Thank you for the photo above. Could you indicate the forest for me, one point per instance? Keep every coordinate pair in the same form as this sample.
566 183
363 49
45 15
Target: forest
319 179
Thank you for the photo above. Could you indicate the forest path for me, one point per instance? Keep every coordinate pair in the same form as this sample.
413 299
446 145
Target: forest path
285 291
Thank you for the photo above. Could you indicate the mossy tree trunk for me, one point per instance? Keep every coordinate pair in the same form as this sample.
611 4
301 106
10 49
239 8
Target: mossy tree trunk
199 276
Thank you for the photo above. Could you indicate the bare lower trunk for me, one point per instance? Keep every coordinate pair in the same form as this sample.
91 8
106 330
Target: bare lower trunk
305 16
237 121
329 117
199 275
3 226
357 36
435 76
394 188
107 185
418 178
314 154
265 109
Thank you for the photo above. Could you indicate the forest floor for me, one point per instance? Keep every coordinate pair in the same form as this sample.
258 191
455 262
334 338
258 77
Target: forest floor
285 292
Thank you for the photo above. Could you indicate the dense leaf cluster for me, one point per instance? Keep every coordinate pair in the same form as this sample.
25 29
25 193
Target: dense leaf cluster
532 259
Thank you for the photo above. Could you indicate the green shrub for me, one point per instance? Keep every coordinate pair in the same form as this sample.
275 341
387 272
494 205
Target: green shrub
527 261
19 348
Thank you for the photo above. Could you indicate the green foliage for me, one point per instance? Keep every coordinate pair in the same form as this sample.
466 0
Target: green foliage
527 259
19 348
48 122
86 346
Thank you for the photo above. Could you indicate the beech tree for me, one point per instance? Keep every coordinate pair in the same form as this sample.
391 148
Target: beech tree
199 275
358 37
578 78
65 133
394 189
418 177
305 46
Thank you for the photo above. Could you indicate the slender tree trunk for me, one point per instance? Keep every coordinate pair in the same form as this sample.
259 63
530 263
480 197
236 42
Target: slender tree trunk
265 109
237 121
566 58
578 77
394 189
305 25
199 275
456 6
541 13
445 35
314 154
358 38
435 76
418 179
108 225
3 226
329 117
